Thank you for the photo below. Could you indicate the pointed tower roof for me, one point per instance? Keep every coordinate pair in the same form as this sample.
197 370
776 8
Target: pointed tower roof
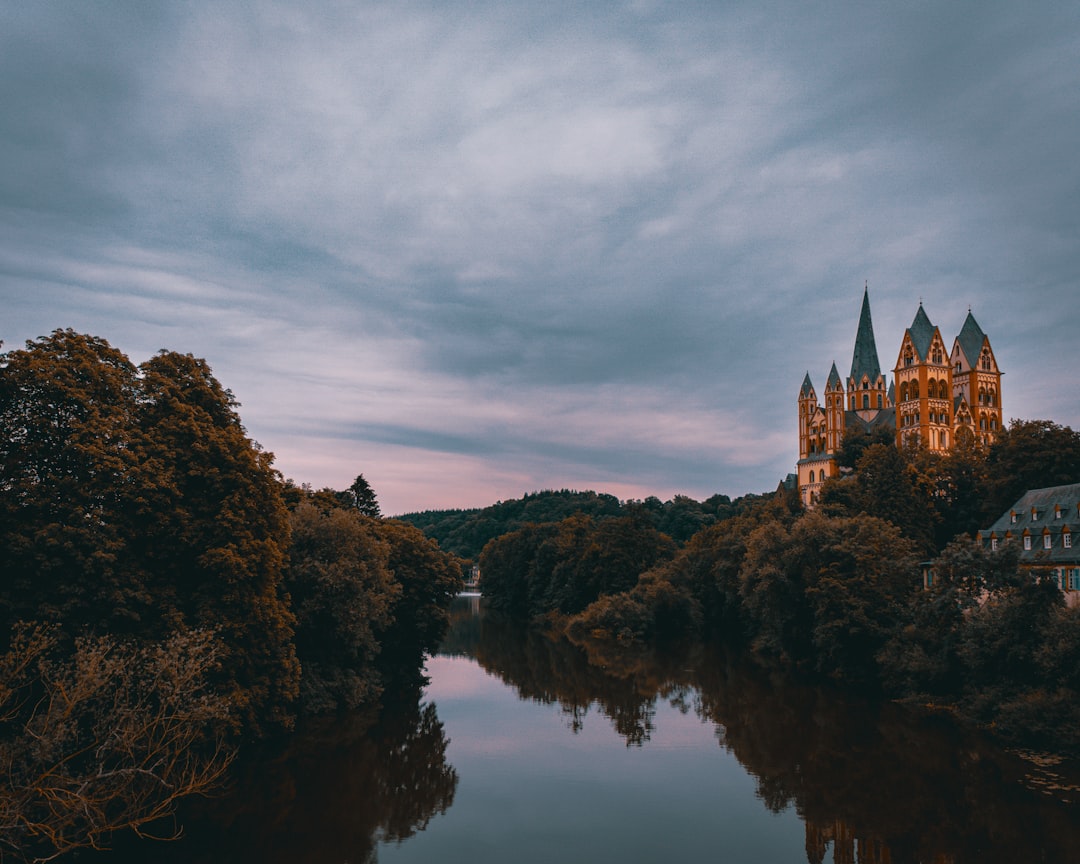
922 332
864 360
834 379
971 339
807 388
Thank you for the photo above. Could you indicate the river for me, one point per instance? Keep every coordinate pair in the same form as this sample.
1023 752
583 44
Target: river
524 748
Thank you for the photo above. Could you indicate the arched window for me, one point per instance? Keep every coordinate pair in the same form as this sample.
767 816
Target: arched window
879 402
913 393
866 400
904 392
943 391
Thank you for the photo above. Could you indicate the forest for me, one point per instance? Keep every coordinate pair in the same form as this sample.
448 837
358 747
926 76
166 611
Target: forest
836 593
167 596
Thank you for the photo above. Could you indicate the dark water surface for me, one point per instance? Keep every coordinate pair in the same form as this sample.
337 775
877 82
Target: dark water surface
525 749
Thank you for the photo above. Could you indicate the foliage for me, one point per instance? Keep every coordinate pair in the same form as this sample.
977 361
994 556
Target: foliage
132 502
109 737
1031 454
342 595
361 496
566 566
429 579
465 532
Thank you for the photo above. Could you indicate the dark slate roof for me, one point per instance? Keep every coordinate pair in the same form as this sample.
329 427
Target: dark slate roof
971 339
834 378
892 392
807 387
922 333
864 360
1043 501
883 419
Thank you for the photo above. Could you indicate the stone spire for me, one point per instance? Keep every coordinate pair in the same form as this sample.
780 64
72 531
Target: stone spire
864 360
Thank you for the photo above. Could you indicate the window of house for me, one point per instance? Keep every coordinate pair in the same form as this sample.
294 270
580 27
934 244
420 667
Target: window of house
879 403
993 544
866 400
1034 515
1047 542
1027 544
1074 579
1057 511
1066 540
1012 517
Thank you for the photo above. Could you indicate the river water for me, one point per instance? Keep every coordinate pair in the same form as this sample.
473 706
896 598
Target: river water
523 748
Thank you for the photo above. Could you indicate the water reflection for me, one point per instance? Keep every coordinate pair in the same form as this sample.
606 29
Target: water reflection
338 789
871 782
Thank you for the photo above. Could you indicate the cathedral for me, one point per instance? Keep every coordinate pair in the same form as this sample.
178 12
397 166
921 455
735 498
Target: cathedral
935 399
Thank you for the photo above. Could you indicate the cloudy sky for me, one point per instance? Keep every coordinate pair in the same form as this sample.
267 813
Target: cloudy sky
479 249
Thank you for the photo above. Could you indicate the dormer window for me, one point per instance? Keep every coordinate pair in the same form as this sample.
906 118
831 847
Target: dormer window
1013 517
1027 542
1066 540
993 544
1034 515
1047 540
1057 511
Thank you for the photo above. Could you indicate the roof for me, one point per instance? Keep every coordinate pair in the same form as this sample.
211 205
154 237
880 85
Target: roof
971 339
884 418
807 388
834 379
864 359
922 333
1043 502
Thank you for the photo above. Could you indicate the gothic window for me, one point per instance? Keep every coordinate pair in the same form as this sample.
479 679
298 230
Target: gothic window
908 358
879 402
914 391
866 400
904 392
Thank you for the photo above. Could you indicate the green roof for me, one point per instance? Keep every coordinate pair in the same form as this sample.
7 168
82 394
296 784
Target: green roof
807 387
922 333
971 339
834 378
864 360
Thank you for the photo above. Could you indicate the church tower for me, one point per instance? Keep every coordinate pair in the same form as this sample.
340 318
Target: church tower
866 385
976 385
924 387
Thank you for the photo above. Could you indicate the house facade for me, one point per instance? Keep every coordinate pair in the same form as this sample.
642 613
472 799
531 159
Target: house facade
1044 525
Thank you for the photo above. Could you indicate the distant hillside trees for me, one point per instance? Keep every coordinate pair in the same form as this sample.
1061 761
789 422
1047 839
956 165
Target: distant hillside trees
465 532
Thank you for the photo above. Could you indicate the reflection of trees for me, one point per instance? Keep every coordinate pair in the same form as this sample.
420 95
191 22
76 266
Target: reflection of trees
871 781
337 789
548 669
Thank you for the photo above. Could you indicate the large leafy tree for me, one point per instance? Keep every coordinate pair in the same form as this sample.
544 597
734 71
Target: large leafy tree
1030 454
342 593
132 501
71 473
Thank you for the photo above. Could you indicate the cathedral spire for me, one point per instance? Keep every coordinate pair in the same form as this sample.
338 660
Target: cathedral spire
864 361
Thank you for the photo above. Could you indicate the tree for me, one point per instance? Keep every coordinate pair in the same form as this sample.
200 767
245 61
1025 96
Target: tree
1030 454
215 533
71 467
108 738
361 496
342 595
429 578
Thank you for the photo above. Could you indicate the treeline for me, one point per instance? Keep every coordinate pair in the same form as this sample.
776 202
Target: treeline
165 594
837 592
465 532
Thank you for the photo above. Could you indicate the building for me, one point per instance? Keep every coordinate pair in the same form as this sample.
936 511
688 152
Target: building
1044 524
936 398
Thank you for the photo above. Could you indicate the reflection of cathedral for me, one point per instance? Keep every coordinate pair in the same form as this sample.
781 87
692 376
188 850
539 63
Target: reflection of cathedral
936 398
850 848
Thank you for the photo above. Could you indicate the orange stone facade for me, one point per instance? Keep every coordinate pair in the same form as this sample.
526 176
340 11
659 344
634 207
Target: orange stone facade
938 399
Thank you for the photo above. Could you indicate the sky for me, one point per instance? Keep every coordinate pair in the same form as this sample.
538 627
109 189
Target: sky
474 250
